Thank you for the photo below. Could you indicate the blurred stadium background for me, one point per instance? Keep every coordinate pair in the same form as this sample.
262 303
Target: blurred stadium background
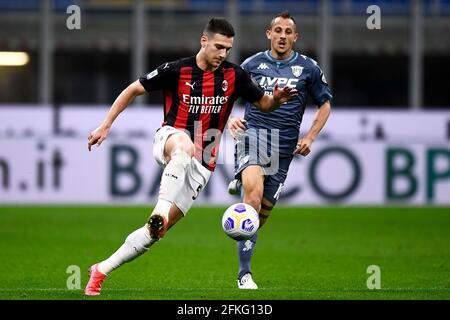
386 144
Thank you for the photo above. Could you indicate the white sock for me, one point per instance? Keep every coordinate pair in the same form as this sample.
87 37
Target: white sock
163 207
137 243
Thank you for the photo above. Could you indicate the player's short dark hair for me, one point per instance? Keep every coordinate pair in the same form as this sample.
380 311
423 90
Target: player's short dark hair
284 15
219 25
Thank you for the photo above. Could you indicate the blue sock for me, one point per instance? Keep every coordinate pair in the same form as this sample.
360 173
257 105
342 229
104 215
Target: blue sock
245 251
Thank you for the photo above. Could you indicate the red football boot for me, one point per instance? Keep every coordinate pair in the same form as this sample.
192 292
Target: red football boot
96 279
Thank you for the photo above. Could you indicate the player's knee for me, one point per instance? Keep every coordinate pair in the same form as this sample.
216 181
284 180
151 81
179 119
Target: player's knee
180 143
253 199
181 157
253 192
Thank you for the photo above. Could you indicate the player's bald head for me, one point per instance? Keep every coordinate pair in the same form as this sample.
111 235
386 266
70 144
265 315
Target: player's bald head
282 15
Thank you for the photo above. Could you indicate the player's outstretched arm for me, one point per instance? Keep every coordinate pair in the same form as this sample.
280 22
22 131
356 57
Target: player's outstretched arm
122 101
269 103
304 144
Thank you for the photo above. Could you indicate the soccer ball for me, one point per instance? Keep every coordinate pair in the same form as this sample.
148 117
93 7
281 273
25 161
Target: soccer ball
240 221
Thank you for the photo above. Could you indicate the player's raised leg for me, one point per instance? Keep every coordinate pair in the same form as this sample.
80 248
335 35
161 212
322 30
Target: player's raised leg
253 183
136 244
176 151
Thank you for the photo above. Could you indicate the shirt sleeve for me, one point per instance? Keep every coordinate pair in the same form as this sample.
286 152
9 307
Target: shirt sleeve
244 65
158 78
249 90
318 87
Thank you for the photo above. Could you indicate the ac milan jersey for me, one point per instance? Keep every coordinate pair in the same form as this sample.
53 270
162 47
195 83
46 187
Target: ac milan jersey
200 102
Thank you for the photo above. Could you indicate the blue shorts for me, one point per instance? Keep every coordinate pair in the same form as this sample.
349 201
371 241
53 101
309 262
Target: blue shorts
248 152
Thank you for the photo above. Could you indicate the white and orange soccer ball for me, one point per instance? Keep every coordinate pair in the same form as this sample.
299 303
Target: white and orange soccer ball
240 221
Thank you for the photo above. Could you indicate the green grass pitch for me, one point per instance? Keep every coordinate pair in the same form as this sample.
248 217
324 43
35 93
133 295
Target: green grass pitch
302 253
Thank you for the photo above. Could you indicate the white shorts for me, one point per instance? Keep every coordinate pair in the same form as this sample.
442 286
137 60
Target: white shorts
197 176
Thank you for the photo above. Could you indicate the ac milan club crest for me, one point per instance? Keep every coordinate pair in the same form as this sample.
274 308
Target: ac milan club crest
224 85
297 71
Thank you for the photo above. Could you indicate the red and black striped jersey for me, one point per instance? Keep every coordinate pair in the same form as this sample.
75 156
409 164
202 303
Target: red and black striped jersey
200 102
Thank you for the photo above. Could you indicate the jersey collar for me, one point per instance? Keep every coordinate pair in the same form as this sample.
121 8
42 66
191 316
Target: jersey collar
281 62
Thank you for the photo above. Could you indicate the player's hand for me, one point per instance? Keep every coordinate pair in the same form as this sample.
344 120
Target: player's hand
303 146
236 126
284 94
97 136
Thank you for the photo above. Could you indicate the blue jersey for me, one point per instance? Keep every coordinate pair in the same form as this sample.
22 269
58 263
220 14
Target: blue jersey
298 71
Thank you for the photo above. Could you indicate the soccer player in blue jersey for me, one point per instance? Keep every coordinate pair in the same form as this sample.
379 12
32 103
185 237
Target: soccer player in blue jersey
261 173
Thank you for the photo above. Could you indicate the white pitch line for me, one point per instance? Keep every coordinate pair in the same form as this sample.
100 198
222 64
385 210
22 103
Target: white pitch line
231 289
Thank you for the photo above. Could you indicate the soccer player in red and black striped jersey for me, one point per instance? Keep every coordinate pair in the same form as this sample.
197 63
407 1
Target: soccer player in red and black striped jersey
199 94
